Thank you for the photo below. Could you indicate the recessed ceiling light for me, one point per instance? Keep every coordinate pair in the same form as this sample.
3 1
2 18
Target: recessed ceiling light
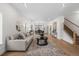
63 5
25 5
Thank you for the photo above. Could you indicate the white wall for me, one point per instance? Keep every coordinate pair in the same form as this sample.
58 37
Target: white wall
60 21
0 28
60 27
10 16
1 42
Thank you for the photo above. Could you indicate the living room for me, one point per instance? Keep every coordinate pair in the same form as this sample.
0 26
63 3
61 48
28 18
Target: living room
37 29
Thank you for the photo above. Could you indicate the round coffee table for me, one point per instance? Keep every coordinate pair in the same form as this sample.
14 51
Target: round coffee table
42 41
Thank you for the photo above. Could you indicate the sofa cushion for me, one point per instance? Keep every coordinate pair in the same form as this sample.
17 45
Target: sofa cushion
19 35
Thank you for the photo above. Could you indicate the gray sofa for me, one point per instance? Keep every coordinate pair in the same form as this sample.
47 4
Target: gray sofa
18 42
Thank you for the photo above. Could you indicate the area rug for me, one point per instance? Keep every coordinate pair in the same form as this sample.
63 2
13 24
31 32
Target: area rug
48 50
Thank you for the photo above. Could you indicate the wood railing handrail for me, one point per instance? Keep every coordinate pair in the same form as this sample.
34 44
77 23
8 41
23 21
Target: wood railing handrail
72 22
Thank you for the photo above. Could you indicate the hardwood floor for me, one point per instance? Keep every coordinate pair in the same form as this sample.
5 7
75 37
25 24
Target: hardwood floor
66 47
14 54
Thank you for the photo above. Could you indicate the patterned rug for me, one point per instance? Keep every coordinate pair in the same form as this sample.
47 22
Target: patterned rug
48 50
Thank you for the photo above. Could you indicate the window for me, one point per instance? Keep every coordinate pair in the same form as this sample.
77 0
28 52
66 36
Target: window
0 28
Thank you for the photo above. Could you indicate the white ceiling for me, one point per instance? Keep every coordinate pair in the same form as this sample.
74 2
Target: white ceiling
44 11
71 8
39 11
